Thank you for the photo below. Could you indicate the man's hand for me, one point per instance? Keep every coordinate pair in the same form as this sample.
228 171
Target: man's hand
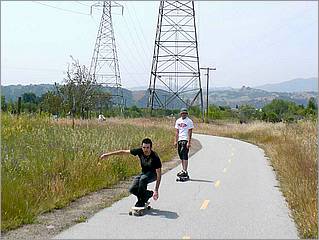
155 195
188 145
175 144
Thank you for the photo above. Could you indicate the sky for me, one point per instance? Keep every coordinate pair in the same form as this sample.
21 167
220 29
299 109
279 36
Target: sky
250 43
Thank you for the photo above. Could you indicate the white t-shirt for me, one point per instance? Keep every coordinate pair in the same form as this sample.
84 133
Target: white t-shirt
183 125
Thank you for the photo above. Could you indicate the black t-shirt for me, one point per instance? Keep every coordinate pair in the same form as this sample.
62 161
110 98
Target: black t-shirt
148 163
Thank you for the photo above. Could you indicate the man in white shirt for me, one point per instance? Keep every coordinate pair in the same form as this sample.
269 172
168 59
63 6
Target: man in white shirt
184 127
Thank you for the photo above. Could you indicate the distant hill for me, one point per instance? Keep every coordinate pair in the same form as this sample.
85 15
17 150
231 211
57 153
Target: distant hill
295 85
138 88
138 95
256 97
220 97
162 96
241 96
12 92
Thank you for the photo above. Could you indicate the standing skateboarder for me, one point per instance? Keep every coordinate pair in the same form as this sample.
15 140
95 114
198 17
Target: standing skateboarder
183 136
151 171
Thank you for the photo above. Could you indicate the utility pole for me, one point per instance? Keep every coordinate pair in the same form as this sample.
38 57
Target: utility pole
207 87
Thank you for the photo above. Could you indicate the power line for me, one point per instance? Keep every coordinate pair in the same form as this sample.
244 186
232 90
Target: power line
135 44
62 9
140 28
82 4
33 69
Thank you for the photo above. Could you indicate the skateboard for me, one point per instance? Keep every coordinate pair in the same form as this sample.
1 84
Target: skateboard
182 179
139 211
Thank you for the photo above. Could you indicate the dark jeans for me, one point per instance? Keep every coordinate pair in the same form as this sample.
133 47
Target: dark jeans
139 185
183 150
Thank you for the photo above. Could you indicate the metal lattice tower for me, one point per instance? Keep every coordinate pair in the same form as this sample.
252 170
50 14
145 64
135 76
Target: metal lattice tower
104 64
175 75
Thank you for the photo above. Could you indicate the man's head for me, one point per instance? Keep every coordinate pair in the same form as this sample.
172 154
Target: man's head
147 146
184 113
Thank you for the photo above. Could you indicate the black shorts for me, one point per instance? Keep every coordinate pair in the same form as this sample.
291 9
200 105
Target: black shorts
182 149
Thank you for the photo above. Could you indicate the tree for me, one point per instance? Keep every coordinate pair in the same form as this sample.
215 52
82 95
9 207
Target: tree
80 93
312 108
246 112
276 109
102 101
51 102
29 98
214 112
195 111
134 112
4 106
272 117
282 110
29 102
312 104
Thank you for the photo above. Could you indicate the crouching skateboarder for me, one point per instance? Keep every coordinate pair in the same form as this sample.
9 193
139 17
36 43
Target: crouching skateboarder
151 171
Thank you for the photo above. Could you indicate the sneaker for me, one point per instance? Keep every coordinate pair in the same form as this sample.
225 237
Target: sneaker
184 174
179 174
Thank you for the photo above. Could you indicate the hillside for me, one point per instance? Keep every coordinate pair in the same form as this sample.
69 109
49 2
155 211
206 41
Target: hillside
227 97
256 97
12 92
295 85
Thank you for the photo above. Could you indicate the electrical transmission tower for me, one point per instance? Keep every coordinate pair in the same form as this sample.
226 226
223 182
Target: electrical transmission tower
104 64
175 75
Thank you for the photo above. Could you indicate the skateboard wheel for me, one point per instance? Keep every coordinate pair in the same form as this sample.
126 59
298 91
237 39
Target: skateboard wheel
137 213
140 213
148 207
130 213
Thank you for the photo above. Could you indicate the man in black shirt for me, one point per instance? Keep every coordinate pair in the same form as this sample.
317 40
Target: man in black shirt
151 171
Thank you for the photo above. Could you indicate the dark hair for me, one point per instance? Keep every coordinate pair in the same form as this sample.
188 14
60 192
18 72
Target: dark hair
147 141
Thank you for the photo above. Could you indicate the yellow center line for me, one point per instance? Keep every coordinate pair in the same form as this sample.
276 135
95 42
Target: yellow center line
186 237
225 170
229 160
205 204
217 183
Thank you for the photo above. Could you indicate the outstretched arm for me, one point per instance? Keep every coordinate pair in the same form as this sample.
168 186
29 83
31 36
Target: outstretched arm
119 152
158 182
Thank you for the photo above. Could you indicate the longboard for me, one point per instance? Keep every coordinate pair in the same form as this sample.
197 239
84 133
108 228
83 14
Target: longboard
139 211
182 179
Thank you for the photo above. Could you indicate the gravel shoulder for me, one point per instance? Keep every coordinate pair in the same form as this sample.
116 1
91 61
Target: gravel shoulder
49 224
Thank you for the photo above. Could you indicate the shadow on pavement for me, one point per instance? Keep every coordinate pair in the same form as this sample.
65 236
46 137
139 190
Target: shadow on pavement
200 180
161 213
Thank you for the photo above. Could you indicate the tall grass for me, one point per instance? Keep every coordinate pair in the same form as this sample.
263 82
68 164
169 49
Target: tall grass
46 164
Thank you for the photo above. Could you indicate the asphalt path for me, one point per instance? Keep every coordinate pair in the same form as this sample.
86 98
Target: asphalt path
232 193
